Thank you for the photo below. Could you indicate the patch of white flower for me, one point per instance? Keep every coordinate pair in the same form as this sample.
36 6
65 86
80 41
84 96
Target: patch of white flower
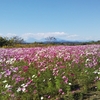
19 89
1 60
49 79
2 72
10 61
41 98
24 85
44 80
85 71
22 88
87 60
70 83
7 86
34 76
4 81
96 72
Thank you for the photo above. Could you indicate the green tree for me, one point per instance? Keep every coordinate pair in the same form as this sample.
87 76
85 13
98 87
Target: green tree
16 40
3 41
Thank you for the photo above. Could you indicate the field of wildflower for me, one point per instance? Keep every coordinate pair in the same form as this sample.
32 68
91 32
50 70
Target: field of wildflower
49 73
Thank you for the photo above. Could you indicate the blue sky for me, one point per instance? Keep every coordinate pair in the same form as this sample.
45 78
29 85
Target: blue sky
37 19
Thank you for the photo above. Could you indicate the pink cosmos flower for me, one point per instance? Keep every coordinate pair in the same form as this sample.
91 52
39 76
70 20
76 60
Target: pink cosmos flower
62 66
8 72
18 79
63 77
63 93
60 90
49 97
25 68
66 80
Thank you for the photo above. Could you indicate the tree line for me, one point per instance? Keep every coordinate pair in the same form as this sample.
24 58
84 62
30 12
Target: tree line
5 41
13 41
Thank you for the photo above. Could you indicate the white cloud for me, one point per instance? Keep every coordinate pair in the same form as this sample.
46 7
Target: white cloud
72 36
8 35
11 34
39 36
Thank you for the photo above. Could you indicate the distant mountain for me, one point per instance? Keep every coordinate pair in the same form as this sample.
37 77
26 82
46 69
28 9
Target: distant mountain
31 40
57 40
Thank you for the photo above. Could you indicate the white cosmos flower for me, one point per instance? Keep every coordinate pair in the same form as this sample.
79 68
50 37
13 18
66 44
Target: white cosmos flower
70 83
7 86
98 72
2 73
41 98
23 85
10 61
33 76
19 89
4 81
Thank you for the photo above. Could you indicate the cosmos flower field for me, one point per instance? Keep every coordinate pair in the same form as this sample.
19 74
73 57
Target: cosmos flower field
49 73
